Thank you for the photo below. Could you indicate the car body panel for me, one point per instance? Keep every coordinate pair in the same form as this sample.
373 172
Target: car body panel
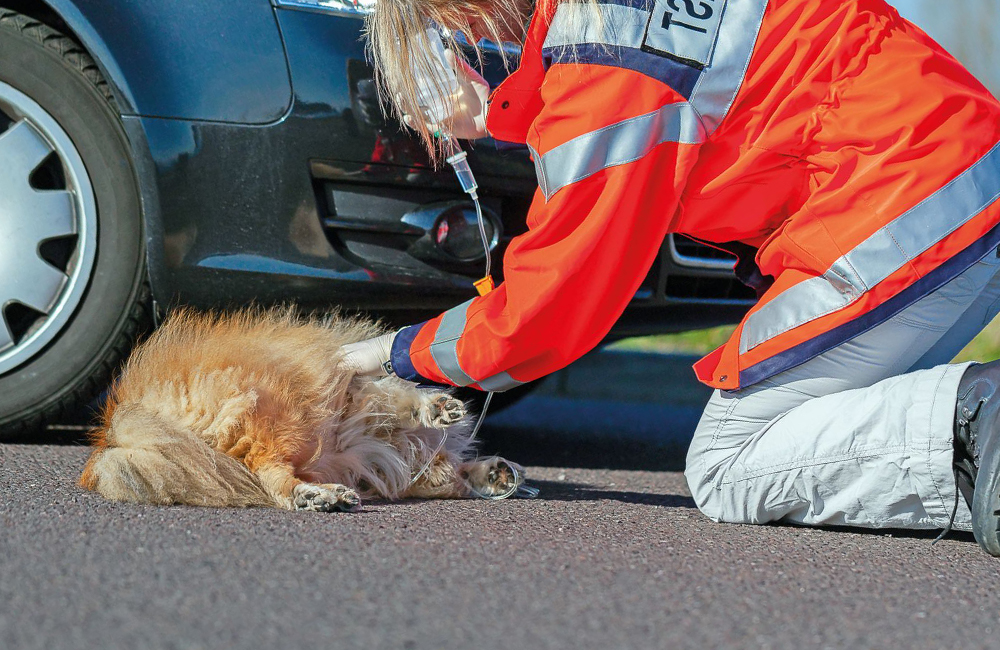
242 200
216 61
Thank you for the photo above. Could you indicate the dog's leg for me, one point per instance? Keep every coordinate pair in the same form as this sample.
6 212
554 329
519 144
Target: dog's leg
293 494
407 407
328 497
437 410
487 477
144 457
439 481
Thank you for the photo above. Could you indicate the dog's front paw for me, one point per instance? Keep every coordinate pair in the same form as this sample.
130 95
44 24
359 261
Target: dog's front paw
441 411
325 498
491 477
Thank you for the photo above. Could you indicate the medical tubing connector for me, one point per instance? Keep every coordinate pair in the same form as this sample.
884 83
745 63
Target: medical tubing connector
459 162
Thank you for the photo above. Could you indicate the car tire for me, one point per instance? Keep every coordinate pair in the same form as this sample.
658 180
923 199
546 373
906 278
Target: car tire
69 207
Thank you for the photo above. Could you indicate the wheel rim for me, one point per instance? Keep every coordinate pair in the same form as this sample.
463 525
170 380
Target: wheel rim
48 228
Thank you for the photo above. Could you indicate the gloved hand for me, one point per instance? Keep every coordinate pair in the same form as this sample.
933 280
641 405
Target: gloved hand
469 121
369 357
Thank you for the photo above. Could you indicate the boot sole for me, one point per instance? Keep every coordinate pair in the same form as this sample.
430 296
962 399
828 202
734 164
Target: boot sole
986 499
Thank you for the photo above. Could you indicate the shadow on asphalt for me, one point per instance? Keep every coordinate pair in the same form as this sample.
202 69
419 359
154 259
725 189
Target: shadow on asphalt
582 450
75 436
900 533
563 491
527 447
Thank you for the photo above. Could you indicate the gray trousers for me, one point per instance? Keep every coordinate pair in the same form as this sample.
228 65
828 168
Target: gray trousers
860 435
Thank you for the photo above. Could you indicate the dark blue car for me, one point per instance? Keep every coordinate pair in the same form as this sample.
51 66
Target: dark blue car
164 152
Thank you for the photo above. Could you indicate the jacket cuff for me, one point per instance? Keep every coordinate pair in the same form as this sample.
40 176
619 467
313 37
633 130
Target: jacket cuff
402 364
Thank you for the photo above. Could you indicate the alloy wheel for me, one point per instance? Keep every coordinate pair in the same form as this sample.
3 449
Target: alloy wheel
48 228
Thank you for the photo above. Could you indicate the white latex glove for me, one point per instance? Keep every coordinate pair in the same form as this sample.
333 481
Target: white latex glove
369 357
469 122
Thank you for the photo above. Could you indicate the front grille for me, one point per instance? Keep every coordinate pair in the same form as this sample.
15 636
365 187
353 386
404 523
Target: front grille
701 272
689 253
690 287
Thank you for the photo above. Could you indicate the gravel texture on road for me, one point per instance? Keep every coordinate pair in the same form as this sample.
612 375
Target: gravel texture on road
603 559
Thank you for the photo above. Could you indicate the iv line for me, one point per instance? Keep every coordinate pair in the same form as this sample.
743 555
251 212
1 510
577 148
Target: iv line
433 79
457 159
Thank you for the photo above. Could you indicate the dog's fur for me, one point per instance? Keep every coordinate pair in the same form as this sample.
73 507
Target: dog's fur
252 409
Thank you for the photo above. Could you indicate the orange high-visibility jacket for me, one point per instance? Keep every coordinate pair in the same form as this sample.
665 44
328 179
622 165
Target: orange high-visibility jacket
858 158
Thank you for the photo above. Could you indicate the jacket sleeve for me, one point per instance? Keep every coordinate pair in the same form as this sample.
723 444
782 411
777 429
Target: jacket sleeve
612 151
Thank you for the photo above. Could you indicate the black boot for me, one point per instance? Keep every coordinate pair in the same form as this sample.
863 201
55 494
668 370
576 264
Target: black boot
977 450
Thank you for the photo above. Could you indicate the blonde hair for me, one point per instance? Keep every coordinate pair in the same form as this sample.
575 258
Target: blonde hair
396 36
396 33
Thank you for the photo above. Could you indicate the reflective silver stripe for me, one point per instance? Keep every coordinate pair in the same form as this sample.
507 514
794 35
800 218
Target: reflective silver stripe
444 349
626 27
573 25
536 159
500 382
716 89
687 123
881 255
617 144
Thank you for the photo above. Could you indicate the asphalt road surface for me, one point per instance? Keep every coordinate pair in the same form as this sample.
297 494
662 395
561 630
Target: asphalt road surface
612 555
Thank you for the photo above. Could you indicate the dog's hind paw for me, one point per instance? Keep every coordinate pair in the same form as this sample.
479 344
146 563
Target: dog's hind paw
491 477
442 410
325 498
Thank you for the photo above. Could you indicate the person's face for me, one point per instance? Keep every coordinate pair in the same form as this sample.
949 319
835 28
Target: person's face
508 22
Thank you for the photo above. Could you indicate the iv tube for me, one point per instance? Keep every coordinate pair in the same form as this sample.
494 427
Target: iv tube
438 90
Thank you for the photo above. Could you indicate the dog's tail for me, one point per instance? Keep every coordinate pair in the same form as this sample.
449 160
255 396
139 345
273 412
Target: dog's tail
141 459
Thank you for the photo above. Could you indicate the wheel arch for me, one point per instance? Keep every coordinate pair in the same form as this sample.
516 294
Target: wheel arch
65 17
54 78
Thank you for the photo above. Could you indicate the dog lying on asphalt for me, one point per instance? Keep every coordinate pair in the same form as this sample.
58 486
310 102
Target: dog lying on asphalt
252 409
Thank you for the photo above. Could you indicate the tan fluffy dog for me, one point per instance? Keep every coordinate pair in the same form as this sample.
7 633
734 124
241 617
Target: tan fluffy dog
251 409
